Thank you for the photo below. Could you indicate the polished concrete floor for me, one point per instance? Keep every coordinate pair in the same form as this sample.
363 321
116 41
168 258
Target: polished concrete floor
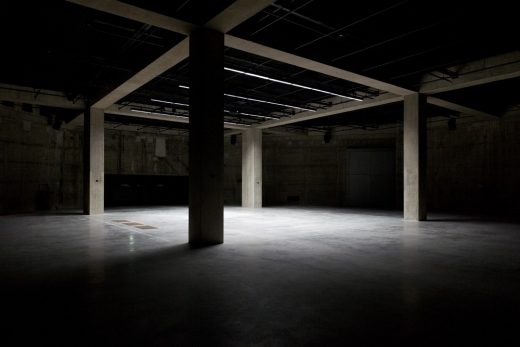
283 277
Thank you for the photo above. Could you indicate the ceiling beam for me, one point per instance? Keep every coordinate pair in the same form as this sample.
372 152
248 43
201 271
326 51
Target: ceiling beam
156 68
230 17
285 131
137 14
78 121
369 103
126 111
40 97
336 109
300 117
276 131
308 64
237 13
488 70
456 107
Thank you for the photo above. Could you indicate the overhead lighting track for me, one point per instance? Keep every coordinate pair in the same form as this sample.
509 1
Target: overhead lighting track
228 111
270 102
157 113
170 102
250 114
187 105
291 84
241 124
257 100
169 114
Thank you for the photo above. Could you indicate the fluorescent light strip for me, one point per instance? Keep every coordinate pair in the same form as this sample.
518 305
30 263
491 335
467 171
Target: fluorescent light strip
270 102
242 113
175 115
244 125
262 101
250 114
291 84
170 102
157 113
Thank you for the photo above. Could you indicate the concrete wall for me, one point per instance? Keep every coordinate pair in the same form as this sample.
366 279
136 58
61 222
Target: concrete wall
40 167
308 171
473 168
135 153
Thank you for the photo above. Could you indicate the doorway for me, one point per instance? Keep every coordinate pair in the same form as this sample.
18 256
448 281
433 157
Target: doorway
370 177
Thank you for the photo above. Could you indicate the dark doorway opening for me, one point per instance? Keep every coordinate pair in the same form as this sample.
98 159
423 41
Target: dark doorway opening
370 177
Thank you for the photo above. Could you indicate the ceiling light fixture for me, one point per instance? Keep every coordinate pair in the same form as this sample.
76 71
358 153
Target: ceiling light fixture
175 115
245 125
187 105
291 84
262 101
251 114
269 102
157 113
170 102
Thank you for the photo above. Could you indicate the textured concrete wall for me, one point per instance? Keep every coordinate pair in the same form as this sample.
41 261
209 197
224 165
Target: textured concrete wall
307 171
473 168
40 167
134 153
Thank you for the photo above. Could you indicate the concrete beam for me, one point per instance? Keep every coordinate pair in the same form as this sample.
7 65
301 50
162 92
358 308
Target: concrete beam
232 16
337 109
137 14
277 131
284 131
76 122
40 97
304 63
159 66
488 70
269 125
456 107
126 111
236 13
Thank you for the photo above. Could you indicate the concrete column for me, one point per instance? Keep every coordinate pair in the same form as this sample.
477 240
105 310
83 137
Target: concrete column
252 168
414 157
206 208
94 161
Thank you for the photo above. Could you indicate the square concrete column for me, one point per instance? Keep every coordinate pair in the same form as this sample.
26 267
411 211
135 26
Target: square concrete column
94 161
206 208
252 168
414 157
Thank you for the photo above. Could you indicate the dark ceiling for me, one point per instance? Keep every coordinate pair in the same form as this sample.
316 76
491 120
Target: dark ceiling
395 41
62 46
